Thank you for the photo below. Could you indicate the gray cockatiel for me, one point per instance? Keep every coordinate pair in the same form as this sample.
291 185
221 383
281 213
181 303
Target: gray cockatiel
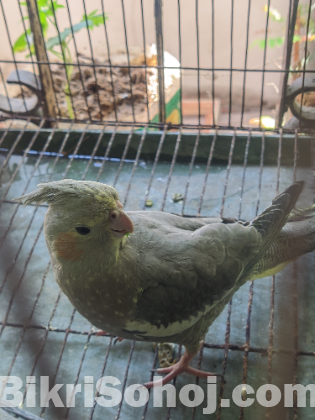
172 277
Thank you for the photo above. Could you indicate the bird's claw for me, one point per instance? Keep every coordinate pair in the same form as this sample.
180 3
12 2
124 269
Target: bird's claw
118 339
176 369
101 332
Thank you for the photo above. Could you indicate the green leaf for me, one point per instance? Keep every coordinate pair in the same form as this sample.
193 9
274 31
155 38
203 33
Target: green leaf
77 27
46 9
94 20
56 53
279 41
54 7
32 48
43 3
275 42
20 44
272 42
43 21
54 41
91 22
58 6
296 38
259 42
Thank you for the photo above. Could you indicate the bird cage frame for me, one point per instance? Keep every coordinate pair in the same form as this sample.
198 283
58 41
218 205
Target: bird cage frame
192 169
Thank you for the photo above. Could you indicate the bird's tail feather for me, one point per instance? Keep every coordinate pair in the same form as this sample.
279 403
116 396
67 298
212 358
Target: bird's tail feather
270 222
296 238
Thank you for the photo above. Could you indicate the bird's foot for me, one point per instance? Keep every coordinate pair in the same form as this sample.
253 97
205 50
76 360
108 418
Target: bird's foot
176 369
101 332
118 339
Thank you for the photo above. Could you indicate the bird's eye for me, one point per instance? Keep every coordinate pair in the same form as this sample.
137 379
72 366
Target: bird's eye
113 215
83 230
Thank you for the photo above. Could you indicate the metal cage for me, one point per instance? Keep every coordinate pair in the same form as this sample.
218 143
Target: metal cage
197 167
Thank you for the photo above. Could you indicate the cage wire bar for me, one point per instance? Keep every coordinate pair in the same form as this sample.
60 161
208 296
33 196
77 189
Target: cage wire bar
229 171
287 57
42 61
158 10
237 145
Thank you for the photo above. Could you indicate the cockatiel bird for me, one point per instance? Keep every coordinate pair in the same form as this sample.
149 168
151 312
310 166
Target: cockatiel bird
156 276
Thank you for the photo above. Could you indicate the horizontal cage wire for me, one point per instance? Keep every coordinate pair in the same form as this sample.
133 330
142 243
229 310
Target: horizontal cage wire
201 109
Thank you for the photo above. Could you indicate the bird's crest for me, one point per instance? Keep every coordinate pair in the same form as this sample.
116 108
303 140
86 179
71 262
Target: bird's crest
59 193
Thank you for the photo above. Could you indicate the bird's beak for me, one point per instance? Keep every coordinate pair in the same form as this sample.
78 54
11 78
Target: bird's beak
120 224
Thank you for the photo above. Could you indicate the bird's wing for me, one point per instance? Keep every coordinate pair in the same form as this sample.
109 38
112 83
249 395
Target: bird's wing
184 272
174 220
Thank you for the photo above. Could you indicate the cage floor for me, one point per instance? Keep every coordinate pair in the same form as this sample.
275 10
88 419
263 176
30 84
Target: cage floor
264 336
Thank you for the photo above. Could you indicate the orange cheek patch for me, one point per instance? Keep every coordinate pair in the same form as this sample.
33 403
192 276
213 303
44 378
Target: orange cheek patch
67 246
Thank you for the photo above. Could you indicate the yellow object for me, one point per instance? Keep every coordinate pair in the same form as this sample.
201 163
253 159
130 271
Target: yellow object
174 117
266 122
272 271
